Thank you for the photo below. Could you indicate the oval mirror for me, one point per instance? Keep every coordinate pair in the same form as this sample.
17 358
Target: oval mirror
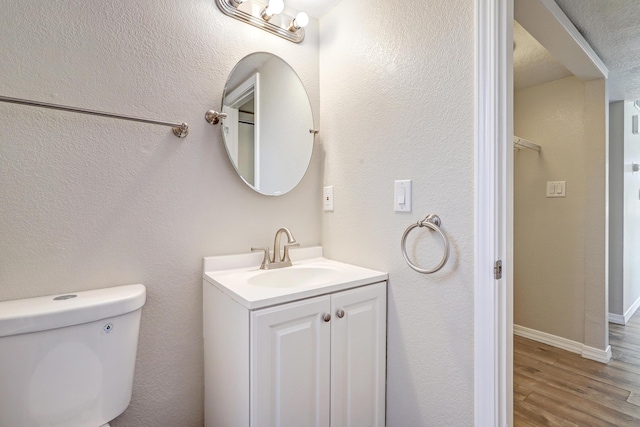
268 129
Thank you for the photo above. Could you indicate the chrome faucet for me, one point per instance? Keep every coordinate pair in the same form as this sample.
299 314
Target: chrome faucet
278 261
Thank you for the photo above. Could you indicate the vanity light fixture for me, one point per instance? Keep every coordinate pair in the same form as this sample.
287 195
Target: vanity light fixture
270 17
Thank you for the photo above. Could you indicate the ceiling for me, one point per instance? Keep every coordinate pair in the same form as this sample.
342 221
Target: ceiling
612 28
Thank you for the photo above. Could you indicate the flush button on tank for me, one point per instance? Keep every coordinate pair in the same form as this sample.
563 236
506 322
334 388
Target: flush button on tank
63 297
108 327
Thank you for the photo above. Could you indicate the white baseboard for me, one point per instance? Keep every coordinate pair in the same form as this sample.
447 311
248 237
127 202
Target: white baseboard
632 310
602 356
618 319
545 338
624 319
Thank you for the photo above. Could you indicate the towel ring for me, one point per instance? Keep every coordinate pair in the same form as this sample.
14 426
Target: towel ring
433 222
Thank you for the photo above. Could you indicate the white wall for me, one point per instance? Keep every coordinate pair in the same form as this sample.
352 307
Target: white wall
397 85
616 207
559 243
549 234
596 139
89 202
624 284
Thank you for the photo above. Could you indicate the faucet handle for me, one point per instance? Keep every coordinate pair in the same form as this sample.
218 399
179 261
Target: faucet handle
294 244
265 259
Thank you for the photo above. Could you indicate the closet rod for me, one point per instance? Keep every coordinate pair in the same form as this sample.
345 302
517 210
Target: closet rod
179 129
520 142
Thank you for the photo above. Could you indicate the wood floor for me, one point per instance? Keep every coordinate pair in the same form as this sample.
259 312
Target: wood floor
553 387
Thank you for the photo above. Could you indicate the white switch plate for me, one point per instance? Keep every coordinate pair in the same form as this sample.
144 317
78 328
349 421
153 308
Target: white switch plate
327 199
402 195
556 189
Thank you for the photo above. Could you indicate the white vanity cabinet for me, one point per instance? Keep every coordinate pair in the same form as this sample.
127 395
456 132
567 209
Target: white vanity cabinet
313 362
320 361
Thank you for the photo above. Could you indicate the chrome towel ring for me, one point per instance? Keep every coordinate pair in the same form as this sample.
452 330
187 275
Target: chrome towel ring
433 222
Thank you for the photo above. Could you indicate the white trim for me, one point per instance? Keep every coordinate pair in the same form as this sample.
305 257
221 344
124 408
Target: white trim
618 319
545 338
493 401
624 319
631 311
602 356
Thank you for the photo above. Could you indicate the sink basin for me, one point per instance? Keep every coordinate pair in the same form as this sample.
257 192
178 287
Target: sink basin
239 277
296 276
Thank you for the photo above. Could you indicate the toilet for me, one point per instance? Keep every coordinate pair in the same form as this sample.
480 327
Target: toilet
68 360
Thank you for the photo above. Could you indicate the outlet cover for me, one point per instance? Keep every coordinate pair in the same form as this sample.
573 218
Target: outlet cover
327 199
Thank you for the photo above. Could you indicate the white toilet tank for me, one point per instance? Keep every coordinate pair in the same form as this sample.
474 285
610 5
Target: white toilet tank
68 360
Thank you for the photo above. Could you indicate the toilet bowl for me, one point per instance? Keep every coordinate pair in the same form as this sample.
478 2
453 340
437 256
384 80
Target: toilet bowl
68 360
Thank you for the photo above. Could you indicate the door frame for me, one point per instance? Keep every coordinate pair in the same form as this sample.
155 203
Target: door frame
493 386
493 299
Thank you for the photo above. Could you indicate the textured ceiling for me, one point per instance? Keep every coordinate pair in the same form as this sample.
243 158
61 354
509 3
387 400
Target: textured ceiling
533 64
612 28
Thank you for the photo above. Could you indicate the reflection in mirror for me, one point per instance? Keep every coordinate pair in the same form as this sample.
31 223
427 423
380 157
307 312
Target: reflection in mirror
267 127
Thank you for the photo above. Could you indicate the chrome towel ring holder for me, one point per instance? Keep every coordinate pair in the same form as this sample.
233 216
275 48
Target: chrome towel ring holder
433 222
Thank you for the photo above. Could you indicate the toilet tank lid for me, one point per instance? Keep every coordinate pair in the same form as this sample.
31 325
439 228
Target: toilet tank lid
57 311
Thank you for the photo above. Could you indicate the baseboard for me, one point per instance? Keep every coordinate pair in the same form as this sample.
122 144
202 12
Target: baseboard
545 338
618 319
632 310
602 356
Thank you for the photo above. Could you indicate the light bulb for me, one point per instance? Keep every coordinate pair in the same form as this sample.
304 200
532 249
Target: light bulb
301 20
273 8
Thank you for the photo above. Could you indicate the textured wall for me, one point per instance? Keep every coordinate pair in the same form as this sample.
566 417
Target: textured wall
631 211
559 260
616 207
596 141
624 279
88 202
400 106
549 234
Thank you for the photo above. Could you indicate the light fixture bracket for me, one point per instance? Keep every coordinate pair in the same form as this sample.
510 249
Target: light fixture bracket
235 12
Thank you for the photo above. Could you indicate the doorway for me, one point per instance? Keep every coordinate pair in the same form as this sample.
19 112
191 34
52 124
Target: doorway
560 197
494 194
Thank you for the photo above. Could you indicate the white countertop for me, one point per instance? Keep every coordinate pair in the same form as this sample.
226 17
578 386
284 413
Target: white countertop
233 274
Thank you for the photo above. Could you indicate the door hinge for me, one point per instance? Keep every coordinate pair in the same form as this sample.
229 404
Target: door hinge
497 269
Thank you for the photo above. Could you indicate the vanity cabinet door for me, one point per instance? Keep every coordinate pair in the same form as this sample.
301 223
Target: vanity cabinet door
358 356
290 364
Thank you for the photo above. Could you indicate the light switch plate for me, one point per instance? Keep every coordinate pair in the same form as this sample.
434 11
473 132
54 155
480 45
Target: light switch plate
556 189
327 199
402 195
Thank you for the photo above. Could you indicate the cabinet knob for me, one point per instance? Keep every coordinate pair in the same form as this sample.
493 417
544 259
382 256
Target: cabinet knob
340 314
326 317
